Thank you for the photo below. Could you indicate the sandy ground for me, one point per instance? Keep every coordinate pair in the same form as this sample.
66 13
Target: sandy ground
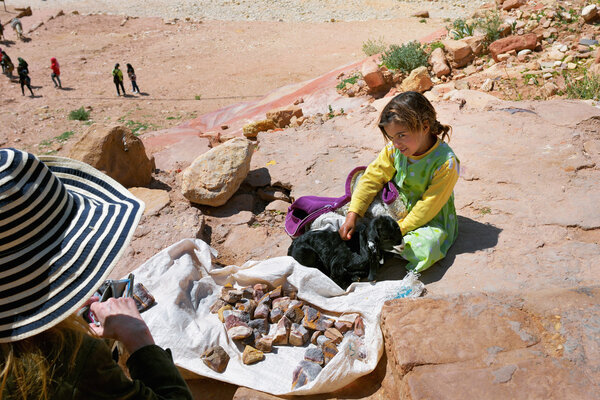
183 70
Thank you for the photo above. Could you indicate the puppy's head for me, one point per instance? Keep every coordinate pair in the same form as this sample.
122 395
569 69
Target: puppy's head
384 233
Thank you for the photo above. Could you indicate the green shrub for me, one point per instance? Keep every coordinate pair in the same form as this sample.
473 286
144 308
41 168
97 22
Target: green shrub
490 25
198 97
352 80
434 45
372 47
79 115
460 29
586 88
405 58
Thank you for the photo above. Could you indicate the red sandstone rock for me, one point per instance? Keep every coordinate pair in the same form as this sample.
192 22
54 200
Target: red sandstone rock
282 116
510 4
372 75
438 62
458 52
517 43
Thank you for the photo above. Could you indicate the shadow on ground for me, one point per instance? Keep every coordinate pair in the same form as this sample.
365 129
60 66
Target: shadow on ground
473 236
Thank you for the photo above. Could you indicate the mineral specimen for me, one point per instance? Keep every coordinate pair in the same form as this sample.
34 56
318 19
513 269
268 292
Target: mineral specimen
314 354
252 355
305 372
298 335
215 358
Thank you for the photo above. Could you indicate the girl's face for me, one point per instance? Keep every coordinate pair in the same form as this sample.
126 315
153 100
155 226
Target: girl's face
409 143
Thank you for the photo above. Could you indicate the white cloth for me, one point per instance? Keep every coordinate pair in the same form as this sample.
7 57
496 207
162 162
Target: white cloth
185 284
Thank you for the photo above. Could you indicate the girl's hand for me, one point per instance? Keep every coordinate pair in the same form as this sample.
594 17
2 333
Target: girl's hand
119 319
347 229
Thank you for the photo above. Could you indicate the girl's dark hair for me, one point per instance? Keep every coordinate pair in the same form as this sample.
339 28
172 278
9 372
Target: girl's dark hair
412 109
117 65
130 68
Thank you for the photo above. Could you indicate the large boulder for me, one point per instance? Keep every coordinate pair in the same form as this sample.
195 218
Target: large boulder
458 52
589 13
117 152
437 59
517 43
510 4
417 81
216 175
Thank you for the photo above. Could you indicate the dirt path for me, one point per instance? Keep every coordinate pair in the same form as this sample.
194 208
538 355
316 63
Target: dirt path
184 70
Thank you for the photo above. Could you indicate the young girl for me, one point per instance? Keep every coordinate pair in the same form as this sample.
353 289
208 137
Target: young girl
132 78
425 170
55 75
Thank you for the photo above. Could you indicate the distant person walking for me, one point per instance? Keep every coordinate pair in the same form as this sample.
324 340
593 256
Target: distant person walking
132 77
1 31
118 79
24 79
17 27
55 75
7 65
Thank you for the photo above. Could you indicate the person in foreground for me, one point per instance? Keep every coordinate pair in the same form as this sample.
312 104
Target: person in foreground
425 169
63 227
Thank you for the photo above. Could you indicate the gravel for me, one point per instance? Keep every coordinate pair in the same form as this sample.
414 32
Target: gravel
266 10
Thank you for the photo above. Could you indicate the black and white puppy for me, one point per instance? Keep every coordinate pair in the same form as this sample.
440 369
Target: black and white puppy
352 260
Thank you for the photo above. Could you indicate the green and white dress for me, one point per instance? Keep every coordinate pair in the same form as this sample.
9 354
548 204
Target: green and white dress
426 186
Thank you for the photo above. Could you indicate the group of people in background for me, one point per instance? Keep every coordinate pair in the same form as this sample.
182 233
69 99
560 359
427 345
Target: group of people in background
118 79
23 71
25 81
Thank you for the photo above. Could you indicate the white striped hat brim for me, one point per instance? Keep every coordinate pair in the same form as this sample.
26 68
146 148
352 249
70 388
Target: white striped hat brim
63 227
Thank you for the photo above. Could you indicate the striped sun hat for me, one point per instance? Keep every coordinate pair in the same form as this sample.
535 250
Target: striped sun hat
63 227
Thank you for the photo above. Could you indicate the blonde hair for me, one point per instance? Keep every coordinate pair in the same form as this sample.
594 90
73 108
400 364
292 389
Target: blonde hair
31 362
412 109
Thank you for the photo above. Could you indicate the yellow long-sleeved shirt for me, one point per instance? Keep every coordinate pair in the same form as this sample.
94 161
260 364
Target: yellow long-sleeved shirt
382 170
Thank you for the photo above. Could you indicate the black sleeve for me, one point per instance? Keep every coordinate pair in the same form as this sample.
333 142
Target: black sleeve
154 366
154 375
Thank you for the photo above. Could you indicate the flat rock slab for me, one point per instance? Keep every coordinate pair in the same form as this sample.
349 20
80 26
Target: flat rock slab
539 345
155 199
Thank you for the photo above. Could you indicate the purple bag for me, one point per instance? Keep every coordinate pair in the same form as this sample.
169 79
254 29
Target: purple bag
307 208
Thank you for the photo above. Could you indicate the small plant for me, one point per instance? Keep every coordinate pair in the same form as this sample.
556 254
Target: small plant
198 97
460 29
490 25
586 87
434 45
79 115
423 21
372 47
485 210
352 80
330 114
171 117
136 127
407 57
64 136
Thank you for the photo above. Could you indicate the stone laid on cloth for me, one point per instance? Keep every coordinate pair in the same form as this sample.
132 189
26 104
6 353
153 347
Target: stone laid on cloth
282 116
305 372
252 355
260 324
265 344
117 152
216 175
314 354
418 81
282 331
298 335
517 43
216 358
